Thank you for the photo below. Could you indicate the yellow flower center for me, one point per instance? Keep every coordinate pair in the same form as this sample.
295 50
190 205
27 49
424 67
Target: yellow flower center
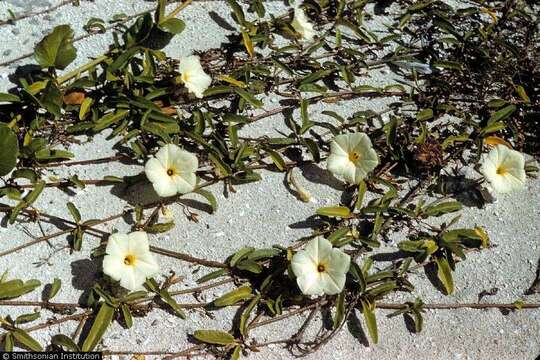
170 172
354 156
185 77
321 268
129 260
501 170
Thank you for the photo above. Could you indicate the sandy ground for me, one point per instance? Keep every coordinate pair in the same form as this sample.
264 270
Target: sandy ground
262 214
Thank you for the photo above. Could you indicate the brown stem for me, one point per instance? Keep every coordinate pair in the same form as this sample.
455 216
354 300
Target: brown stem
188 258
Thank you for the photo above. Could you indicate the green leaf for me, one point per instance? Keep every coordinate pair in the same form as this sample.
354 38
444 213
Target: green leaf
371 322
215 337
444 208
173 26
66 342
8 342
85 106
249 97
56 49
362 188
208 196
239 16
232 297
502 114
21 319
75 214
277 159
159 228
306 123
34 194
240 254
340 310
523 94
425 114
212 275
263 254
313 148
23 338
102 321
236 353
445 274
165 296
5 97
126 314
249 265
334 211
53 154
9 149
54 288
16 288
245 315
109 119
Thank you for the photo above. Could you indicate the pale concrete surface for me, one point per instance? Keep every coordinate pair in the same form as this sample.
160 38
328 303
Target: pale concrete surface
262 214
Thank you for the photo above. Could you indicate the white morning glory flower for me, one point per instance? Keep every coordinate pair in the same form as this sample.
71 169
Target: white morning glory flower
129 260
504 168
352 157
302 25
193 75
172 171
320 269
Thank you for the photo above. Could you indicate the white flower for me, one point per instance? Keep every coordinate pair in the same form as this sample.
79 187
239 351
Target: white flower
172 171
504 168
352 157
320 269
193 75
129 260
302 25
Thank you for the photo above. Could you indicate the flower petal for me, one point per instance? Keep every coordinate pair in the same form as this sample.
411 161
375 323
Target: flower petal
310 284
114 266
337 164
165 186
117 245
164 154
512 162
303 263
185 183
147 265
138 243
155 170
132 280
338 261
302 25
185 162
332 282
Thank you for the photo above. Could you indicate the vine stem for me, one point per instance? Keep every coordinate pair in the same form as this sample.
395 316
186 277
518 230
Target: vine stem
188 258
70 75
87 162
30 14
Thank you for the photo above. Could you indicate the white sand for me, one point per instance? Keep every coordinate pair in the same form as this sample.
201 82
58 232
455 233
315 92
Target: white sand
262 214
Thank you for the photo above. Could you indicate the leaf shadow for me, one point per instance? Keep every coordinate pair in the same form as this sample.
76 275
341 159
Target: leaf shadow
85 273
354 325
315 174
430 270
221 21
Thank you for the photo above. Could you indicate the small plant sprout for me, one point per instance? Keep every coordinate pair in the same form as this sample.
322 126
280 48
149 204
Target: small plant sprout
193 75
320 269
302 25
172 171
352 157
129 260
504 168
